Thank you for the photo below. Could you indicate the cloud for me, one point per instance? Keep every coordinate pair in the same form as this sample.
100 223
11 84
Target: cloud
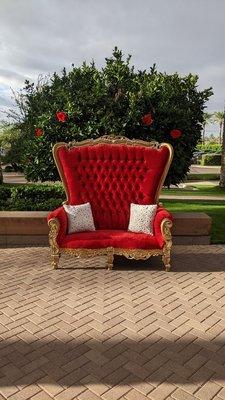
39 37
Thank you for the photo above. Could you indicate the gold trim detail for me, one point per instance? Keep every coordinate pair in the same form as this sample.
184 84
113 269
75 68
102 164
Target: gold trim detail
112 139
137 254
110 257
53 233
166 226
128 253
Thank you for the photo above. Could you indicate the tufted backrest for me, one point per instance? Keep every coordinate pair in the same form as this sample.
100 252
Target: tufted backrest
111 176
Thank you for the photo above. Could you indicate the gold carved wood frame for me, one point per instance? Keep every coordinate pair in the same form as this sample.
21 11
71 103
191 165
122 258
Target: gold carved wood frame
110 251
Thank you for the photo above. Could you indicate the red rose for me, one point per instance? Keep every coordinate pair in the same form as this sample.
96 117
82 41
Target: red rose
61 116
147 119
175 133
38 132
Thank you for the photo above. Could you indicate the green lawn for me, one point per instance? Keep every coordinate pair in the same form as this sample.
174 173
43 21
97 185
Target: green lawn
216 210
203 177
200 190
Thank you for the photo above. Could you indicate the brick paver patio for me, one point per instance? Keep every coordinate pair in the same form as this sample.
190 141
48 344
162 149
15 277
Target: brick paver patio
137 332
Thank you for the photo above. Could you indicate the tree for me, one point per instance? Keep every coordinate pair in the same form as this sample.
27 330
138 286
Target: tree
207 118
1 154
12 145
222 172
149 105
219 118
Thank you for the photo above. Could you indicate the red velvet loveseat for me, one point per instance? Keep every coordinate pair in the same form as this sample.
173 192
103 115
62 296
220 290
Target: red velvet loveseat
111 173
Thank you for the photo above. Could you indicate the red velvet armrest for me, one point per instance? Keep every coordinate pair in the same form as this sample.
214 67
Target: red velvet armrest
60 214
161 214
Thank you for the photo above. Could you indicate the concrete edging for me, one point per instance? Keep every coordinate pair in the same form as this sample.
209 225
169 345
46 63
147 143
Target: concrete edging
29 228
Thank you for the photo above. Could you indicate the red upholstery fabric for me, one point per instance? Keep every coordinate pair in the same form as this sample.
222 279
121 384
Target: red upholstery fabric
110 238
110 177
60 214
161 214
104 238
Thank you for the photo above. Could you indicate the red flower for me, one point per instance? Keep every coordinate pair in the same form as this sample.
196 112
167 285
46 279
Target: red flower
38 132
175 133
147 119
61 116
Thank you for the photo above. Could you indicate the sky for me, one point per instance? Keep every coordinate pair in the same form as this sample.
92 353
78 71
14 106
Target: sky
42 36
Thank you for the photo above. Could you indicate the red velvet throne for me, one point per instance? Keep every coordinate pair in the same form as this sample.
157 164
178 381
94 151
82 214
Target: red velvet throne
111 173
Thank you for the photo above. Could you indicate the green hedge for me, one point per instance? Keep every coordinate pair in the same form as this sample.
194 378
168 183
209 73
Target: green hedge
211 159
31 197
47 205
5 195
37 192
9 168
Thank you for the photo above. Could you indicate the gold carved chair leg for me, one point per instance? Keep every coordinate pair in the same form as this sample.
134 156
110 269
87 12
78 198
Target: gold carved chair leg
110 258
166 232
53 233
55 261
166 260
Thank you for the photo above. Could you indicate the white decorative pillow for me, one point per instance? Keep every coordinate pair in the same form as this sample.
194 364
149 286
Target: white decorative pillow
141 218
80 218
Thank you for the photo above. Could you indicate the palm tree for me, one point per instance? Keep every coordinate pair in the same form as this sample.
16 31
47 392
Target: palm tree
222 172
1 173
219 119
207 120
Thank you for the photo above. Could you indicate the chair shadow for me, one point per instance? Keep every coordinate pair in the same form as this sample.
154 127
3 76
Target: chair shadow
180 262
185 362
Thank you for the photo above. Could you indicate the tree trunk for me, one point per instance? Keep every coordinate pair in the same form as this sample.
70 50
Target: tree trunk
1 174
220 138
222 172
203 135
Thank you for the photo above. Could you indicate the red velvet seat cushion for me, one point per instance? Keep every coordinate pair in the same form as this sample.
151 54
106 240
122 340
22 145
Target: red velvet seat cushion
110 238
111 177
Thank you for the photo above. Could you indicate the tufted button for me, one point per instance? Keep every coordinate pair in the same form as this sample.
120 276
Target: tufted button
110 181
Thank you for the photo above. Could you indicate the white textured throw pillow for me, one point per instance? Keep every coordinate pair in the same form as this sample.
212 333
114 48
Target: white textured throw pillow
80 218
141 218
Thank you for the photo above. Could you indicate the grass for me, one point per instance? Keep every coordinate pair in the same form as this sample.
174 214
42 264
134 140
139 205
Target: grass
214 209
201 190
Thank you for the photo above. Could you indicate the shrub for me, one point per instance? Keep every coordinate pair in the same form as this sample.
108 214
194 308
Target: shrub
211 159
8 168
87 103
